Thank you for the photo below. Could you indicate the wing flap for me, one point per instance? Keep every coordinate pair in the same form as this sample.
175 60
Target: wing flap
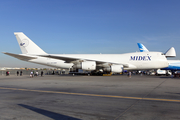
72 59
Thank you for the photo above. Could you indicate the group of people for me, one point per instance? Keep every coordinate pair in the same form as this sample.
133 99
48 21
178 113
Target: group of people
32 74
20 73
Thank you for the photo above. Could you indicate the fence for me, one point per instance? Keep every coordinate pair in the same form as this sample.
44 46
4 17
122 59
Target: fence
27 72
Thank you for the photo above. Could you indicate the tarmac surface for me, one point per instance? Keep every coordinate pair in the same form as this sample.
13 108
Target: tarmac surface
89 98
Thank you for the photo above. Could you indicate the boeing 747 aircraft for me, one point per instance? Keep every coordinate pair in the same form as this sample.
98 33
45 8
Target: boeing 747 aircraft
90 62
173 64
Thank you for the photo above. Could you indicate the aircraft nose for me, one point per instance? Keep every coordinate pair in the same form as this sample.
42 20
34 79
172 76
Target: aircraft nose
166 64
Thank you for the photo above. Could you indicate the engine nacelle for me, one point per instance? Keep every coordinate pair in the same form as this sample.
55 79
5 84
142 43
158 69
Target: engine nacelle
114 68
87 65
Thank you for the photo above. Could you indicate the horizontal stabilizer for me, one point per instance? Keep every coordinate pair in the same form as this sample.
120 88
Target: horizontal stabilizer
21 57
170 53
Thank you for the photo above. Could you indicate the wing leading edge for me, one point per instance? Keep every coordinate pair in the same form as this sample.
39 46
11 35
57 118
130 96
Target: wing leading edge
74 59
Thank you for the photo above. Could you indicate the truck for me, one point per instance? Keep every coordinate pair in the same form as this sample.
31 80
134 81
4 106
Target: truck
163 72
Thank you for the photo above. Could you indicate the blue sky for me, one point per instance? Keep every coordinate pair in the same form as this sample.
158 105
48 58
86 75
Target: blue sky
89 26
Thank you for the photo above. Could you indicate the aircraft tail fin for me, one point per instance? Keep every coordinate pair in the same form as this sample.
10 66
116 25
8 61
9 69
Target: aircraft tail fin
27 45
171 52
142 48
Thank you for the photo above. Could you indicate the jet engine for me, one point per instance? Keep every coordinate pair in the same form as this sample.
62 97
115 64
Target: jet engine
114 68
87 65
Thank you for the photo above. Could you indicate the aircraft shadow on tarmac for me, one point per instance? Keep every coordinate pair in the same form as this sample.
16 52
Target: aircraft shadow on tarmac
172 93
49 114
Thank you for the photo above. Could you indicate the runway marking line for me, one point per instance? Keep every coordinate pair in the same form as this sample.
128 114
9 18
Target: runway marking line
93 95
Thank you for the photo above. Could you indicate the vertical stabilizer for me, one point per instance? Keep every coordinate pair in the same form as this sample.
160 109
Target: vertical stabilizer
171 52
27 45
142 48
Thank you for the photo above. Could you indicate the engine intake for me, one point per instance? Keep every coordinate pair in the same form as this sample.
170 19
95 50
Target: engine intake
114 68
87 65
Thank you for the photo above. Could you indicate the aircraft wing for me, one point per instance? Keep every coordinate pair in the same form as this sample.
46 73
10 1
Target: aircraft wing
72 59
21 57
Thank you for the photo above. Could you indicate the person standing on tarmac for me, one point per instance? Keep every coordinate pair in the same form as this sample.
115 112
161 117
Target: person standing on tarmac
37 73
31 74
17 73
21 73
129 74
41 73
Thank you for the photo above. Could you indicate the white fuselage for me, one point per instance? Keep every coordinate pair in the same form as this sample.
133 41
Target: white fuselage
134 61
